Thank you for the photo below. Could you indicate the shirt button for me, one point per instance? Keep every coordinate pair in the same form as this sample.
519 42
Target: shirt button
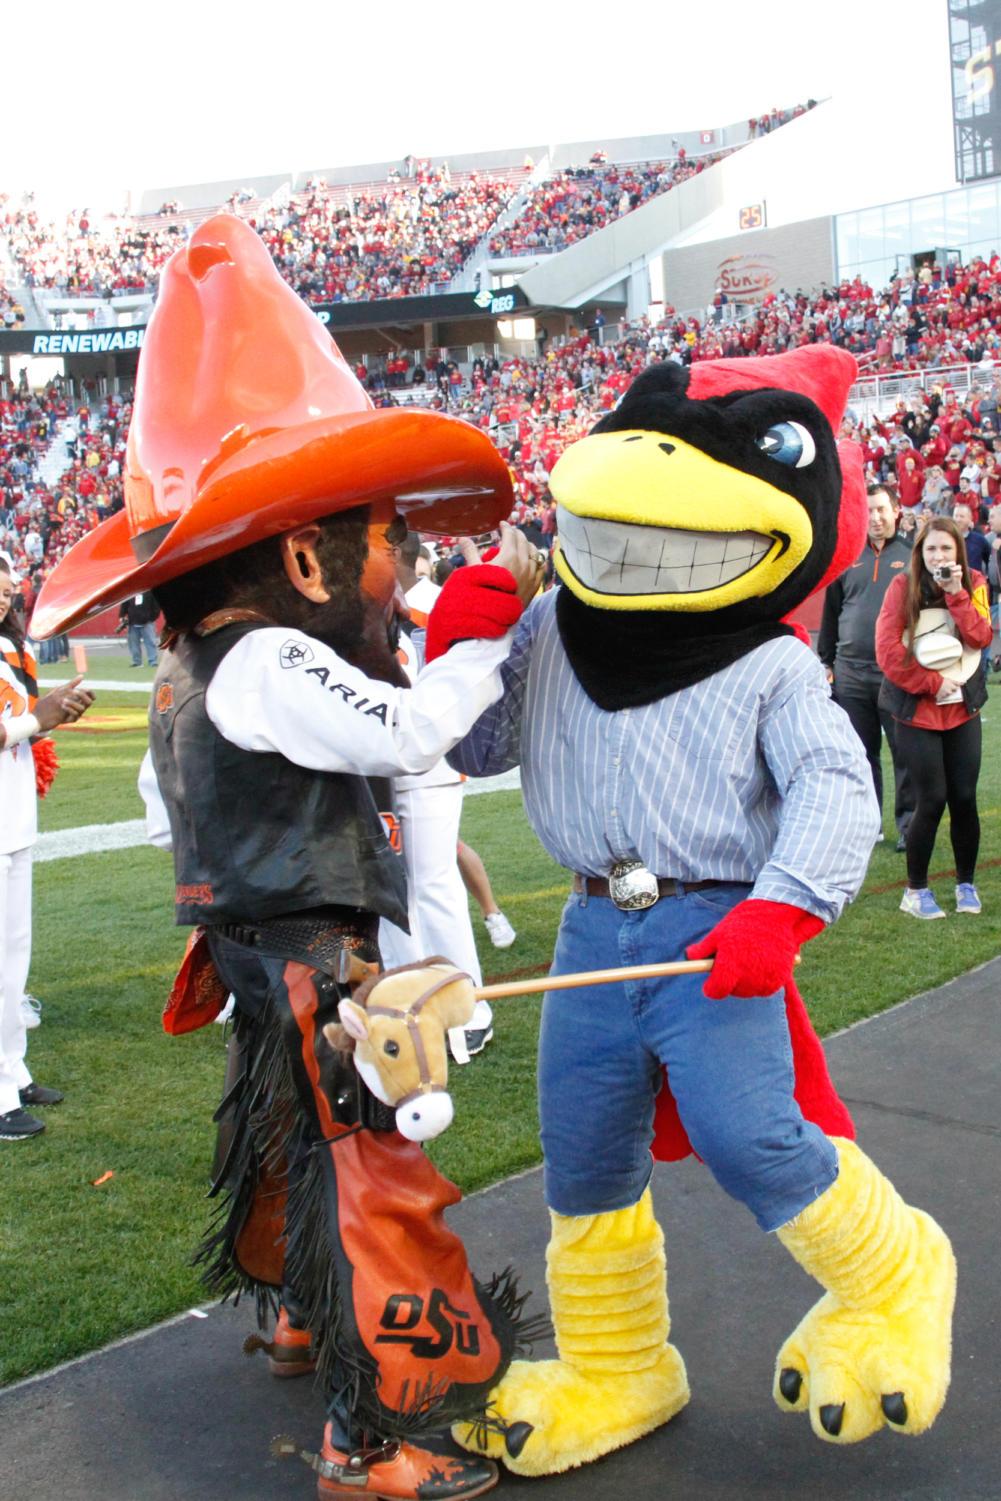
616 760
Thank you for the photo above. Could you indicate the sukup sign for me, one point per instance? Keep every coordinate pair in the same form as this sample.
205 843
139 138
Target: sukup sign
746 278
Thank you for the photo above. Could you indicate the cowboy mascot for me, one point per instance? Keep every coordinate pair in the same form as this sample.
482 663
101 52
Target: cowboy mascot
260 486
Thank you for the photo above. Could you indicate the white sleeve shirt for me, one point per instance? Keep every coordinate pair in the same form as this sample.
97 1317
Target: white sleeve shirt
281 691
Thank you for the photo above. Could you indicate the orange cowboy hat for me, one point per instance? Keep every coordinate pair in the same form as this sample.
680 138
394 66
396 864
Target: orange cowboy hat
248 422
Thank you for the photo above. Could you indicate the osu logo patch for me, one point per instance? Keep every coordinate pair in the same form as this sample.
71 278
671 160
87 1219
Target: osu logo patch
403 1313
295 654
164 698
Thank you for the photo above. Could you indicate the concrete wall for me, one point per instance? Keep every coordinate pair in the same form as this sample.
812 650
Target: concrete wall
208 194
749 265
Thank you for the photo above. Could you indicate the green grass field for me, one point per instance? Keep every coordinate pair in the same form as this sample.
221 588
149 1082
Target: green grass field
82 1264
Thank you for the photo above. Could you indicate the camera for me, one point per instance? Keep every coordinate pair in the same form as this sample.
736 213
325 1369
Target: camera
943 573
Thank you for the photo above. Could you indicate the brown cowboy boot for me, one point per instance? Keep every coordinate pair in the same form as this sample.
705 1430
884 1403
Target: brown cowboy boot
396 1471
289 1351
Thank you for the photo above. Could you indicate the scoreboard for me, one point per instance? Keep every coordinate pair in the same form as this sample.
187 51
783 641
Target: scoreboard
975 51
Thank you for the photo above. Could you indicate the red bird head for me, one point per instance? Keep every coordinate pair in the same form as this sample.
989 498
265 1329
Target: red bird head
719 490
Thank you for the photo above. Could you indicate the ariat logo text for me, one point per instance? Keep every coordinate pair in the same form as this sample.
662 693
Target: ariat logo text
403 1313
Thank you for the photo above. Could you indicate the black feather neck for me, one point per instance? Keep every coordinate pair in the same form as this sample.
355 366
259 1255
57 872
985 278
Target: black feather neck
626 658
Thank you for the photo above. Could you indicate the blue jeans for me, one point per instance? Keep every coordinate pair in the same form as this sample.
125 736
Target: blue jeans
138 636
603 1048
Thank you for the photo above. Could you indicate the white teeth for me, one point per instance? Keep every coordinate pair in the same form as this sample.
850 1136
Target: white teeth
617 557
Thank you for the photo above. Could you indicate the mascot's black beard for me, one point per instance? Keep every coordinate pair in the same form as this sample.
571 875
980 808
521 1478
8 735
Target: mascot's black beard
255 579
339 623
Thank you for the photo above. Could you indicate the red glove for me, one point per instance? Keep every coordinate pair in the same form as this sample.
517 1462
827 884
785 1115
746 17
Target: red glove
754 948
477 602
46 764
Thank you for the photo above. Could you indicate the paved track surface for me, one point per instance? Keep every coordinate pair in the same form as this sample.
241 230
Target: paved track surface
178 1414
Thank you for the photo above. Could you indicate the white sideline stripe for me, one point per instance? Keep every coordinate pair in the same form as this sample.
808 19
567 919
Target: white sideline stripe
90 839
101 685
97 838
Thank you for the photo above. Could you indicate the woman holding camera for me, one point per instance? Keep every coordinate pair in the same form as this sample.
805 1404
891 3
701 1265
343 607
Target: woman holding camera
932 628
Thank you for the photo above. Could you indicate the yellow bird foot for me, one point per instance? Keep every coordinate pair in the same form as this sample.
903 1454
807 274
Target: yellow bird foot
857 1370
546 1416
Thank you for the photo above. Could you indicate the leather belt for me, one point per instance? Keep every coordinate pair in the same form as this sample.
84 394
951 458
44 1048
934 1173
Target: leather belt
666 886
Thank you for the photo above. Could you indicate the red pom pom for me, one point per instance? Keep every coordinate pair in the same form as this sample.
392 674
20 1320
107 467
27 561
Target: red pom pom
46 765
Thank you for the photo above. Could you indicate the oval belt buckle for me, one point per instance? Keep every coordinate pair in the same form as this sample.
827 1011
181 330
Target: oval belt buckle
631 886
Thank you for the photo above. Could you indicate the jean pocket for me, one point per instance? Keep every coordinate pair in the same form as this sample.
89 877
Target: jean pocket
721 899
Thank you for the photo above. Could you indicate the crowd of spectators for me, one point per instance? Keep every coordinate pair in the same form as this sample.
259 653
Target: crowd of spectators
937 449
78 257
763 125
410 234
11 311
395 239
40 520
392 239
579 200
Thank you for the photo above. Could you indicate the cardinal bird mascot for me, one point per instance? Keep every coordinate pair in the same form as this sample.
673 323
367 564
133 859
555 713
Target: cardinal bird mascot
261 487
680 754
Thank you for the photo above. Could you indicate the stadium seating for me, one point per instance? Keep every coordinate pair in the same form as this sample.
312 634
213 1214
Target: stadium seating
574 203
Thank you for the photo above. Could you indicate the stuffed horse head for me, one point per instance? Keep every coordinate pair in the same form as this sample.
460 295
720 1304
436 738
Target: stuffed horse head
398 1023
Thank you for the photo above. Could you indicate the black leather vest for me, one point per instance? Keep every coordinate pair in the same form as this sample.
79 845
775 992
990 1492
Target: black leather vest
254 835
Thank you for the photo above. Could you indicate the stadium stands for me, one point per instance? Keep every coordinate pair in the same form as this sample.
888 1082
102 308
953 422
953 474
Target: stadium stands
388 239
574 203
410 233
61 469
376 239
533 407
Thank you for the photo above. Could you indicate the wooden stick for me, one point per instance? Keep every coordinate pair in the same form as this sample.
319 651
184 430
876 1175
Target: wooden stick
593 977
596 977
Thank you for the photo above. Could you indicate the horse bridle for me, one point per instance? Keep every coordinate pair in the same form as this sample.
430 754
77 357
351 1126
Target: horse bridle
409 1015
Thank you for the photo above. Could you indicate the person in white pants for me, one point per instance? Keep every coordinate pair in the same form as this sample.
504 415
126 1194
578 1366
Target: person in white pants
22 716
429 807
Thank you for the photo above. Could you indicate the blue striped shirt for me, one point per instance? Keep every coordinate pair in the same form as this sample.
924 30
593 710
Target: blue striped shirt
751 775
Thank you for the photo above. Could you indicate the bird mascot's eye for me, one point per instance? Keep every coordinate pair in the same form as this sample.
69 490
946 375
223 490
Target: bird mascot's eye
392 1048
790 443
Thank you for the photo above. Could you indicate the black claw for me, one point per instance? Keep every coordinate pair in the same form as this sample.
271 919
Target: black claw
517 1437
790 1383
830 1417
894 1408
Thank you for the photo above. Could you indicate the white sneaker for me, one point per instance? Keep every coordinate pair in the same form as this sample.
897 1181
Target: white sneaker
919 902
502 935
31 1011
967 899
465 1042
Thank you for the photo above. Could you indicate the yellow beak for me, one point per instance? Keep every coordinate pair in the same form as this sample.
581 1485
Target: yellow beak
649 522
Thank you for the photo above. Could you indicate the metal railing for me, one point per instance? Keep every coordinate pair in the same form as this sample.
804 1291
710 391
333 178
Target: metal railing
872 394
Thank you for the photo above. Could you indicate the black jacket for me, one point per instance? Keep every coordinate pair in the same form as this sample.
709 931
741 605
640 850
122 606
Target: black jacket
853 602
255 835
